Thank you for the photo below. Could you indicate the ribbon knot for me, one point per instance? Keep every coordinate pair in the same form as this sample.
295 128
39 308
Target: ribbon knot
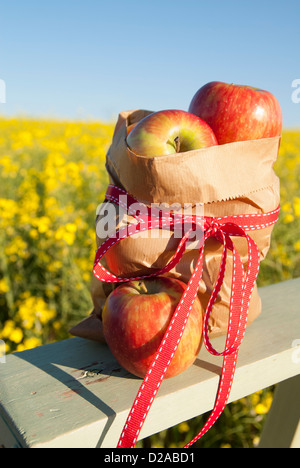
243 282
212 227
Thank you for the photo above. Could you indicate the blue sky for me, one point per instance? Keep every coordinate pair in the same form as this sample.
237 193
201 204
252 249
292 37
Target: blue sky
90 59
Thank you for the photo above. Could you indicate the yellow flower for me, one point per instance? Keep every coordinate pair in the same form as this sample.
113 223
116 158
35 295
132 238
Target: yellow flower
264 406
71 227
56 325
30 203
8 209
16 335
7 348
84 265
261 409
255 398
16 248
52 208
33 233
55 266
11 332
29 343
183 427
3 286
297 246
67 233
9 169
288 218
42 224
34 310
56 159
86 277
297 207
286 207
23 138
7 329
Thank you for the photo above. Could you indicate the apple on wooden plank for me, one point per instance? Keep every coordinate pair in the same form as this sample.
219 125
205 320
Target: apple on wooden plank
135 318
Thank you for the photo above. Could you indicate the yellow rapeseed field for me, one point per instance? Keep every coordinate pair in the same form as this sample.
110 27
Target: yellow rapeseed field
52 177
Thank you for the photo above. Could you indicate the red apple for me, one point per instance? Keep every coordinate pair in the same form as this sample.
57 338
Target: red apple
137 314
170 131
236 112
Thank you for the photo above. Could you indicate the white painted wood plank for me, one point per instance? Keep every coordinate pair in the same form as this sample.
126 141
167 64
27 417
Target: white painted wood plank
296 439
282 429
74 394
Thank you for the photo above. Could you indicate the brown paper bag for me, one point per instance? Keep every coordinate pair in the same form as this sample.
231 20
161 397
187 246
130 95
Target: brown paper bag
231 179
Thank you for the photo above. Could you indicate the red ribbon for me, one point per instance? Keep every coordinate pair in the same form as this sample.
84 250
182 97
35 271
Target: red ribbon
222 229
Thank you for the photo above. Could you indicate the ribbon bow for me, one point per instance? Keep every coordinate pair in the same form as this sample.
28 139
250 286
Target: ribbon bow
222 229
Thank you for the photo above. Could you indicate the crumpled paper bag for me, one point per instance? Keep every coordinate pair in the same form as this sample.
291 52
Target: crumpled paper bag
231 179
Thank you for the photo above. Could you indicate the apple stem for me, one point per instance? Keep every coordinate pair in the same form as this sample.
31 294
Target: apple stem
177 144
143 287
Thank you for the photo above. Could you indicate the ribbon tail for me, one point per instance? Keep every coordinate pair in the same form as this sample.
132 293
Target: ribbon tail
213 298
239 307
225 385
161 362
